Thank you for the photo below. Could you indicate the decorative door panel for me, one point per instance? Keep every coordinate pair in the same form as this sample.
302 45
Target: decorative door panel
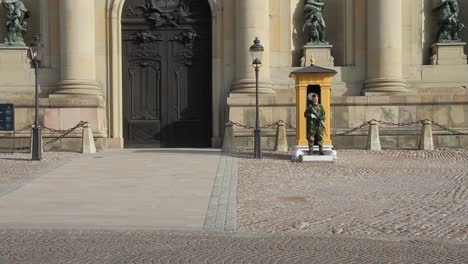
167 57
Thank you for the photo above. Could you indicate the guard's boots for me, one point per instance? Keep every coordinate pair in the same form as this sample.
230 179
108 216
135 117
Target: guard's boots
321 150
311 150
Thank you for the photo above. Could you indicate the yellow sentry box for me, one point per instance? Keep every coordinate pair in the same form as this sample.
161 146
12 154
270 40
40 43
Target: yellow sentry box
318 80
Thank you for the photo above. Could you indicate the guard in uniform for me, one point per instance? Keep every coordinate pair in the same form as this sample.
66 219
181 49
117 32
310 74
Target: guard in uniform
315 115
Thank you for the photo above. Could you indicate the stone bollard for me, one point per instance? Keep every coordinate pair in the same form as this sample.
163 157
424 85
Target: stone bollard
87 145
426 142
281 143
373 137
228 140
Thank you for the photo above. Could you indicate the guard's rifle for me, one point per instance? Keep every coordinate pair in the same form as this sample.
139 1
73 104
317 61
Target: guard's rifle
320 121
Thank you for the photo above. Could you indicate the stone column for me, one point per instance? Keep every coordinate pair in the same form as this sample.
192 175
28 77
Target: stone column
252 20
77 49
384 48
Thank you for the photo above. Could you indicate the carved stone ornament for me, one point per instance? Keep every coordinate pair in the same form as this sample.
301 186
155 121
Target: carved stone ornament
163 13
16 13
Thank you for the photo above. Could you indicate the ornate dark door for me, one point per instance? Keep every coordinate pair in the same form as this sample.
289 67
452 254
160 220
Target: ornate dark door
167 73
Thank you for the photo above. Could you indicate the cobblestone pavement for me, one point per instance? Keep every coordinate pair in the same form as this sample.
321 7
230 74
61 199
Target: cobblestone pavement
368 207
392 193
51 247
18 169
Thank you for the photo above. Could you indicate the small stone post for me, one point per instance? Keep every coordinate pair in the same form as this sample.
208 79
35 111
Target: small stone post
228 141
373 137
426 142
281 143
88 146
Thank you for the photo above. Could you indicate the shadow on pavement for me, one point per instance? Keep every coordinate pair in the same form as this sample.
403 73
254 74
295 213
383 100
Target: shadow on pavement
181 151
246 154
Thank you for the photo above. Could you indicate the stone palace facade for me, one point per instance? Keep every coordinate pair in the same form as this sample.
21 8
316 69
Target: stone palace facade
172 73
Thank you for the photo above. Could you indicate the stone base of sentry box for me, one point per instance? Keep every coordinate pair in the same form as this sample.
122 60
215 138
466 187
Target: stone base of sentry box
300 153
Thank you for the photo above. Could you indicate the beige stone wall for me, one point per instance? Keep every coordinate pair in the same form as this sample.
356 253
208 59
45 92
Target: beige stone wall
347 23
352 111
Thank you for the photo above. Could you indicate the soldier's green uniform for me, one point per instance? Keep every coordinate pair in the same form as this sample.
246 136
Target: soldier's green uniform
315 126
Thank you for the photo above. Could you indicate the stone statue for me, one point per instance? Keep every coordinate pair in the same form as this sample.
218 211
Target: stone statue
16 13
449 24
314 26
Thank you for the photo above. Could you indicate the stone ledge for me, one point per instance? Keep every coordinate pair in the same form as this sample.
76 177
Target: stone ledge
399 100
91 102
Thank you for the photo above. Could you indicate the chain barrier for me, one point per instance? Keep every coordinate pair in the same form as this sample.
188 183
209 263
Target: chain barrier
54 130
397 124
455 132
367 123
11 134
347 132
66 132
265 126
63 133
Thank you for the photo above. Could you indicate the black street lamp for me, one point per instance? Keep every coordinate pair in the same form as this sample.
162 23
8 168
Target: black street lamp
35 49
256 50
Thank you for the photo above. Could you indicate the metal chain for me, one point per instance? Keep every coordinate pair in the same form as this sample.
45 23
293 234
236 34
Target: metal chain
265 126
66 132
15 132
448 129
239 125
397 124
352 130
347 132
54 130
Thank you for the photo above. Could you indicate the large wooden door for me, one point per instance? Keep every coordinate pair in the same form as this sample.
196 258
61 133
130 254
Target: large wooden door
167 73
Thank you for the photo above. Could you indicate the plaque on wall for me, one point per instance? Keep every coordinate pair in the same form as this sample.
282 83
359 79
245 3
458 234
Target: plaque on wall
7 117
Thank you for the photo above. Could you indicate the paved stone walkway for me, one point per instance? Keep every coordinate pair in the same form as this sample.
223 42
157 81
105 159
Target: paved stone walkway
24 247
126 189
390 193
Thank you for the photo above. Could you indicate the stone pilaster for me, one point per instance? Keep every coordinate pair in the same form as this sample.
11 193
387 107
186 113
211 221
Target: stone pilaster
384 48
253 20
77 51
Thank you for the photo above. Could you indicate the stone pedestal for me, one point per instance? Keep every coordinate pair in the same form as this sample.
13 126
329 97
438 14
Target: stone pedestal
300 153
321 55
88 146
373 137
448 54
16 74
427 142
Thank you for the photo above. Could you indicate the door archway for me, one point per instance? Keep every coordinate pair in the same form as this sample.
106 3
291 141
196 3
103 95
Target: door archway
166 73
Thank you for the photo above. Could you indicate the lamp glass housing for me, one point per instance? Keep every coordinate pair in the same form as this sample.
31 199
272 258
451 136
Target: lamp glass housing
36 48
256 51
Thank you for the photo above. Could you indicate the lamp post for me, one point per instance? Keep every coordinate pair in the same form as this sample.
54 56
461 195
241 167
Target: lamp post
256 50
35 49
